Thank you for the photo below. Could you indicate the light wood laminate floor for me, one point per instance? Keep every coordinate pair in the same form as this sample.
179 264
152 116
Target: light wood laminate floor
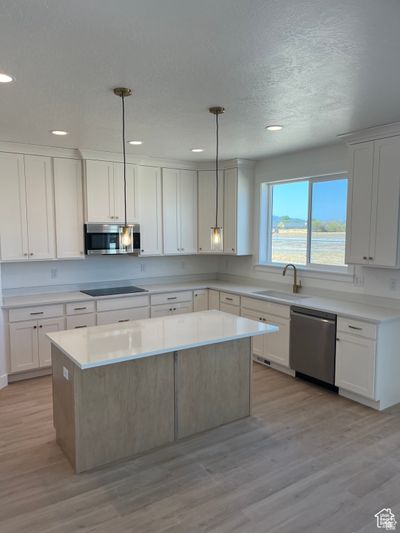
307 461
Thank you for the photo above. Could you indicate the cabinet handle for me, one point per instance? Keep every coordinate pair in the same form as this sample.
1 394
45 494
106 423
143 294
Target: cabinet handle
172 298
116 218
124 320
34 327
40 326
233 249
25 254
229 299
78 327
355 327
38 313
260 318
79 308
31 253
200 248
337 338
365 257
370 258
142 251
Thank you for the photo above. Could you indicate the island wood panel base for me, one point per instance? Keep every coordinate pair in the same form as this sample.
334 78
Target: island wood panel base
116 411
212 386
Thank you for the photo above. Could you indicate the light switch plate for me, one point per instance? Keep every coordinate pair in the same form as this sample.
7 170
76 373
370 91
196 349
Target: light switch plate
65 373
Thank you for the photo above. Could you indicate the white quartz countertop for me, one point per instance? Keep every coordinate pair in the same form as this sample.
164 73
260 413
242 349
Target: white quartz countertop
344 308
116 343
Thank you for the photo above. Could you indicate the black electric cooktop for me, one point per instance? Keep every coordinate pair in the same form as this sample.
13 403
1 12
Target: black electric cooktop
113 290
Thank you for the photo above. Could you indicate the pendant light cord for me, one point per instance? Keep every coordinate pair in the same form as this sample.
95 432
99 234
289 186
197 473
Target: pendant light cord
124 154
216 170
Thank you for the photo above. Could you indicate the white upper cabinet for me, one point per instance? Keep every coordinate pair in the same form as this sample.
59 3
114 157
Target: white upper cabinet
105 192
149 210
69 208
179 205
40 207
207 207
234 209
13 223
27 229
373 205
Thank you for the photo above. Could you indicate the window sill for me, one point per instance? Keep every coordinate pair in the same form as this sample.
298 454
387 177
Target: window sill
344 275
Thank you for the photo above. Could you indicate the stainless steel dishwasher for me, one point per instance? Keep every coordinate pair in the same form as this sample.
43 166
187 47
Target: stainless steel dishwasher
313 344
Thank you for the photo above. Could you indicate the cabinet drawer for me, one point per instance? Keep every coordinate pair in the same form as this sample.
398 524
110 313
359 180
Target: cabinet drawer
271 308
122 315
231 299
32 313
80 308
356 327
228 308
130 302
171 297
171 309
81 321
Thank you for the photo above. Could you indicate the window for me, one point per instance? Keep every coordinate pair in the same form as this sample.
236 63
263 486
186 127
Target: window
304 222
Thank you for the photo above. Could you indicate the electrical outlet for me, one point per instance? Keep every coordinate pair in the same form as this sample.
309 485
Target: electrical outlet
393 284
53 273
65 373
142 267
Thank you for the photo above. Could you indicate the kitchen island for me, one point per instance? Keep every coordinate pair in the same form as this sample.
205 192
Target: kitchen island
123 389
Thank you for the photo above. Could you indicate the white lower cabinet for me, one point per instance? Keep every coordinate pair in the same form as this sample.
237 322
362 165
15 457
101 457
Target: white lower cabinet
81 321
200 300
213 299
273 347
29 346
171 309
122 315
355 364
228 308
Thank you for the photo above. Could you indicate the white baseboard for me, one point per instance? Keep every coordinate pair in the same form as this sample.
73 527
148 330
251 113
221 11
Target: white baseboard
3 381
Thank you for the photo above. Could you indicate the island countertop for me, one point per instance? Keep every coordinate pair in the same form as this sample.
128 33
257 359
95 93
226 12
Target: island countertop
114 343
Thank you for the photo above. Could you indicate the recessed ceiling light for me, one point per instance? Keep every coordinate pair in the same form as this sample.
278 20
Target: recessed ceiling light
274 127
5 78
59 132
197 150
135 143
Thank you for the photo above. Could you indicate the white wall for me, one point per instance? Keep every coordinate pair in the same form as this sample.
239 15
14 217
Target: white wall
18 277
325 160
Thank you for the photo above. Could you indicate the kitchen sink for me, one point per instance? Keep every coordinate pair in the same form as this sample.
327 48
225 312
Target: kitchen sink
291 297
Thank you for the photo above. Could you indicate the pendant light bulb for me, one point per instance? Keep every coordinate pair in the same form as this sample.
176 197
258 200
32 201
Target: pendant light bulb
216 238
126 239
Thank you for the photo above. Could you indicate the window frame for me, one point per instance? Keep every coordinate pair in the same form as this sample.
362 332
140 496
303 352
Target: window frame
265 224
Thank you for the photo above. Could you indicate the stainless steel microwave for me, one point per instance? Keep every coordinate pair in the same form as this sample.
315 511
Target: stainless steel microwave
106 239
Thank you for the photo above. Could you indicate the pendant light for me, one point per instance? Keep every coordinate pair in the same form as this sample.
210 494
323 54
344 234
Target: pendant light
217 232
123 92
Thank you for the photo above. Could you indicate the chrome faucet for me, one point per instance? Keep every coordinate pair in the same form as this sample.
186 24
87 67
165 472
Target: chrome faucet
296 286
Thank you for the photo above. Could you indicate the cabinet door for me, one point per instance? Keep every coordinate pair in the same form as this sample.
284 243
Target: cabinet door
149 205
13 223
355 364
276 345
213 299
188 211
200 300
24 354
122 315
160 310
257 341
231 309
119 203
100 192
171 208
385 209
69 208
360 204
40 207
206 212
230 210
44 327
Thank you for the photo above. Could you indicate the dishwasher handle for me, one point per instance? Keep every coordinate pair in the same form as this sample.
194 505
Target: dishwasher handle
311 317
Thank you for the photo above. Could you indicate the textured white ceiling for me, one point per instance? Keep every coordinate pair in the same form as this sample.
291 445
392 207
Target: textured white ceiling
319 67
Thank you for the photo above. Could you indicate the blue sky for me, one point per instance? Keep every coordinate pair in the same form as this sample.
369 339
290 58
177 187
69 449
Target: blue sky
329 200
